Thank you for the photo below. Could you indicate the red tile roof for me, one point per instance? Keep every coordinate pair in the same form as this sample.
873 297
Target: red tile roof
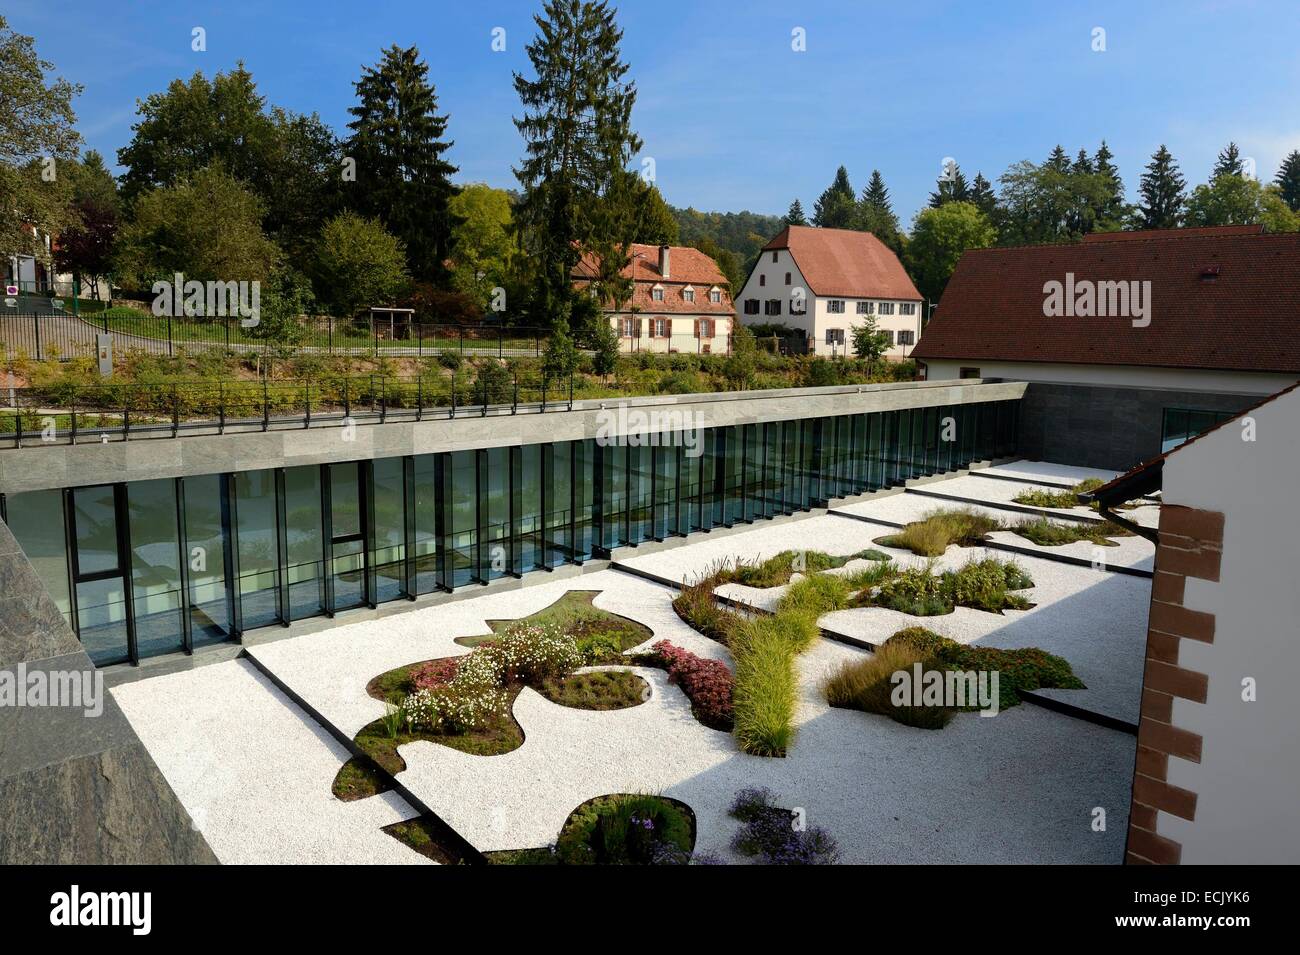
845 262
686 266
1226 298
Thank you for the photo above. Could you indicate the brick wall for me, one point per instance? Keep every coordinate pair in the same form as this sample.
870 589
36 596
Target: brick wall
1191 545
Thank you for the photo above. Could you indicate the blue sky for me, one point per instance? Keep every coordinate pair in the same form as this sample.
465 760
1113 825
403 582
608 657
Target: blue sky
732 116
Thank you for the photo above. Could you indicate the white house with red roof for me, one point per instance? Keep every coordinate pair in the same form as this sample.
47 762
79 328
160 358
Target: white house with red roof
826 282
679 301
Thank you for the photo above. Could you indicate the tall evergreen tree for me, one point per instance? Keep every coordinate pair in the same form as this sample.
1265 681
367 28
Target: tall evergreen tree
950 187
1288 180
1058 160
1163 193
578 140
876 212
982 195
837 206
1112 212
1228 163
1083 163
401 175
795 214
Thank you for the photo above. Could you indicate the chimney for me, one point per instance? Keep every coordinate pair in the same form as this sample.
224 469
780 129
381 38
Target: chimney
663 261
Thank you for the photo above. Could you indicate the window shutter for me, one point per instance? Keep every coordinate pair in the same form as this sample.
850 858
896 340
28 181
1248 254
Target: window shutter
637 328
697 328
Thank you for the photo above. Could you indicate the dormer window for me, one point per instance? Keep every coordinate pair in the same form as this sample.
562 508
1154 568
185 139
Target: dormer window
715 295
657 293
688 294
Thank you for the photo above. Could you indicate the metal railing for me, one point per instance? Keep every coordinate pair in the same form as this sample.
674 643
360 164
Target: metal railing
68 413
42 335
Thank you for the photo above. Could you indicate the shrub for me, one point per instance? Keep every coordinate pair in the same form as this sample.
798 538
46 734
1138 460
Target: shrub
708 684
1026 668
769 832
1059 499
866 685
815 595
983 584
627 830
450 359
697 606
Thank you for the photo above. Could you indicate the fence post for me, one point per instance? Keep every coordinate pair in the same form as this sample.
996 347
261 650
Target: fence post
383 399
225 325
221 407
514 404
501 342
266 406
485 398
176 410
170 350
307 419
374 340
570 391
36 323
419 398
72 437
347 399
330 323
543 392
453 394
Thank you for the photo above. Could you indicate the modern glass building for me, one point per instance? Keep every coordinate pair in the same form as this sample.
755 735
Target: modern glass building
144 568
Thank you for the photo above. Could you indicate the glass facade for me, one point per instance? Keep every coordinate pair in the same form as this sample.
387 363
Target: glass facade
159 566
1179 425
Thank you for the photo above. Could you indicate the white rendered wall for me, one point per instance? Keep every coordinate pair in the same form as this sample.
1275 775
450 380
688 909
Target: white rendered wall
1248 780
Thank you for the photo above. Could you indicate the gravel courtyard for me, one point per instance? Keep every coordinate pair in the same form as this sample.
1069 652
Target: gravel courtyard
255 771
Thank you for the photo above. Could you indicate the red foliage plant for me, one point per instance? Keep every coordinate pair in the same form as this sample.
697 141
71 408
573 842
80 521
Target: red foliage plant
706 683
435 673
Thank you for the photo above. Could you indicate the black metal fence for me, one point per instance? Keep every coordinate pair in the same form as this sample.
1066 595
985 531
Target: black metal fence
45 335
86 413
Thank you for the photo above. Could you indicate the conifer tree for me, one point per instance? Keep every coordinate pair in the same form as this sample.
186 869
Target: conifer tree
837 206
578 141
398 145
1163 193
795 214
1288 180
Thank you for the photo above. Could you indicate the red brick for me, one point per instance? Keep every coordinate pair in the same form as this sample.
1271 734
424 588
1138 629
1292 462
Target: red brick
1162 647
1176 681
1144 817
1156 848
1153 764
1191 522
1157 706
1161 795
1168 587
1169 739
1182 622
1202 563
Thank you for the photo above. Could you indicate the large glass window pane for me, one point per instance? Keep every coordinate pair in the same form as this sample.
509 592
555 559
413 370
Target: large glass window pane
495 511
96 530
36 520
258 547
305 542
389 557
614 494
462 530
688 476
639 462
426 524
155 566
585 451
528 553
205 508
560 503
665 467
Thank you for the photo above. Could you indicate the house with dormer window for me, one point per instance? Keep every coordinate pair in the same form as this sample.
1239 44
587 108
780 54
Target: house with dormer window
679 300
825 282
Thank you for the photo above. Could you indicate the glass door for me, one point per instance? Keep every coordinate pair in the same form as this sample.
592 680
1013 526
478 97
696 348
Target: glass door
347 558
103 597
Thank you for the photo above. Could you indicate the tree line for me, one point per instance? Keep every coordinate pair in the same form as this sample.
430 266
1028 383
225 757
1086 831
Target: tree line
1061 199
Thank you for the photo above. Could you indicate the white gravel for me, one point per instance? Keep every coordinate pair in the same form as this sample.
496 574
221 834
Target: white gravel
1048 472
1132 551
254 771
1003 492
